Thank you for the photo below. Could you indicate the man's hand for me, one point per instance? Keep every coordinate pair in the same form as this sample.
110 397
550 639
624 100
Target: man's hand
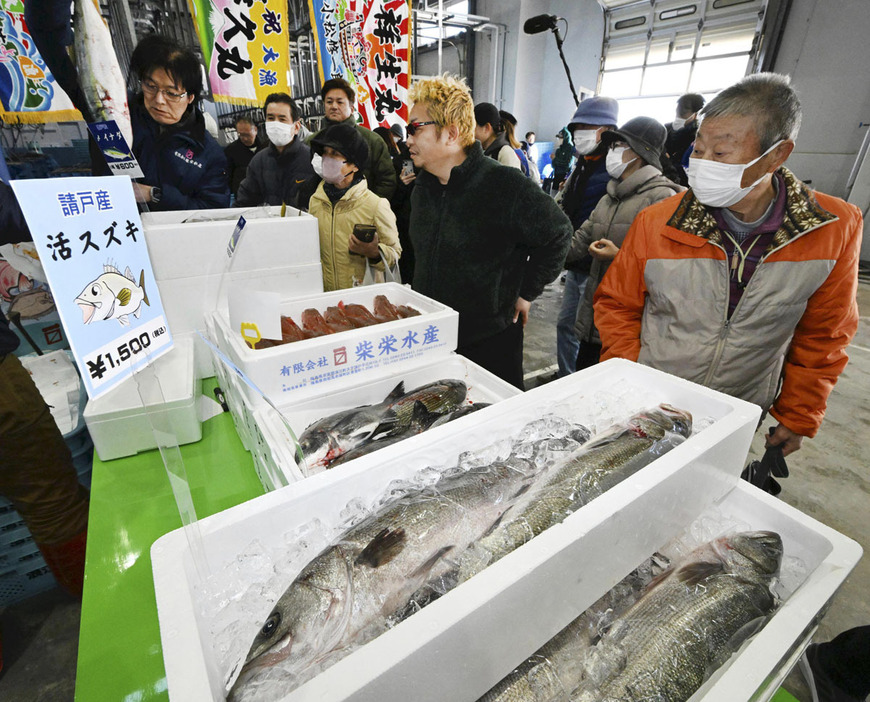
603 250
370 250
407 178
521 309
785 437
142 192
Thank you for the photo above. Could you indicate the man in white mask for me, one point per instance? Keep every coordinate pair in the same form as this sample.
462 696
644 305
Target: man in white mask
586 185
681 135
746 283
275 174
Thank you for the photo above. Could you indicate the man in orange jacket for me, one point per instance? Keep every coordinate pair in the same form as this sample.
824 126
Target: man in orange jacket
747 282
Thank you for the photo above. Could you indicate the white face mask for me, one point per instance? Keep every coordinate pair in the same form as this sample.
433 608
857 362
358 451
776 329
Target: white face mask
679 123
317 164
280 133
613 163
585 141
332 169
718 184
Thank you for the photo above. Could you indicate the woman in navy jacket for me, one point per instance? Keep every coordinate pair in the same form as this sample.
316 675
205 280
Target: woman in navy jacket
185 168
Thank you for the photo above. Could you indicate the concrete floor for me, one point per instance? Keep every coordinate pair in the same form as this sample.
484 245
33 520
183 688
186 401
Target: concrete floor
829 480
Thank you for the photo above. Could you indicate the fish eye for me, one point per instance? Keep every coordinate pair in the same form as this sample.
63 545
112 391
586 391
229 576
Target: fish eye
271 624
95 290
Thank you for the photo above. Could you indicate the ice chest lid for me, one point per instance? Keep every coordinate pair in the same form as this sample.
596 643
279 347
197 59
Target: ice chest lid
174 370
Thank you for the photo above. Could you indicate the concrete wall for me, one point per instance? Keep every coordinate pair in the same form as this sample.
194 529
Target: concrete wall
824 51
535 88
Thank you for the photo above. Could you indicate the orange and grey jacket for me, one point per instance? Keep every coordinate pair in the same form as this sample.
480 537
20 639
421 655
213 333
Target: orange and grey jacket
664 303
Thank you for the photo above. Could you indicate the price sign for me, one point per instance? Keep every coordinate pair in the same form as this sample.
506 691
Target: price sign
91 245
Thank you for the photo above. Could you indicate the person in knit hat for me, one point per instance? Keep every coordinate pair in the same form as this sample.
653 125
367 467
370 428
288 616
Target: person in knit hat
343 200
586 185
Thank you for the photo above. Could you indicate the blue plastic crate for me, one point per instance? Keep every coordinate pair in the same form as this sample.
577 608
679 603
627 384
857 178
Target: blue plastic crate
13 533
18 584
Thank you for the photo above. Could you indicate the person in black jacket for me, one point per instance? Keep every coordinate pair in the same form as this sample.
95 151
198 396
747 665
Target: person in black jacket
486 239
586 185
681 135
241 151
36 471
185 168
401 200
275 174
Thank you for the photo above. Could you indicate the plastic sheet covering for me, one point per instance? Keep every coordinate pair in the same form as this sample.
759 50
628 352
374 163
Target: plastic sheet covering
662 643
408 549
593 469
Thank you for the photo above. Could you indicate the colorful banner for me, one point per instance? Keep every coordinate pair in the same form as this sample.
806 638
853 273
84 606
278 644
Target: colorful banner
368 43
245 46
92 248
28 91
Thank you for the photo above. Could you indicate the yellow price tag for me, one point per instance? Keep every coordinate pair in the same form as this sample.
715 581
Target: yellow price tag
250 333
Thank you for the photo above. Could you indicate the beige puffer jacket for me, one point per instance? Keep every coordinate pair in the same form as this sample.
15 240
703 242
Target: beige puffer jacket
611 220
359 205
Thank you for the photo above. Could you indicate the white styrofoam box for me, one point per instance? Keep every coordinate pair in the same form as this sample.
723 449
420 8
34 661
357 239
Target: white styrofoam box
483 386
314 366
118 421
466 641
276 254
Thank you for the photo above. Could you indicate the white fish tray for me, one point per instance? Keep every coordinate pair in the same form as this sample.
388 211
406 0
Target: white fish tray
279 254
314 366
466 641
278 453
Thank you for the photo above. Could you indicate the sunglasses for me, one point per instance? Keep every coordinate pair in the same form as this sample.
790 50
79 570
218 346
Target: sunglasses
414 126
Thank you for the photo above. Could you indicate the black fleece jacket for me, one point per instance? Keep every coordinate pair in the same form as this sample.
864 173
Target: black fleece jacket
486 238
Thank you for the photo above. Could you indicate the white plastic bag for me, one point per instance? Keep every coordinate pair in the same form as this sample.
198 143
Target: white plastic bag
388 275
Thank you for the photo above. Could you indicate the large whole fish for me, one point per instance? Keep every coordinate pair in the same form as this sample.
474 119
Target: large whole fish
591 471
346 595
100 76
327 439
663 647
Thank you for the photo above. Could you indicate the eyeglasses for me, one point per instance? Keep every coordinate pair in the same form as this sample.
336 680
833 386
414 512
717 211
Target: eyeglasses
150 88
414 126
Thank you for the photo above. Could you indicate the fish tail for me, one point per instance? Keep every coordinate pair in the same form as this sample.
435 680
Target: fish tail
142 285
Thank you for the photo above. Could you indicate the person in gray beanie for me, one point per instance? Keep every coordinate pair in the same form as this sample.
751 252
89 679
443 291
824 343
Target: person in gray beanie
585 186
633 164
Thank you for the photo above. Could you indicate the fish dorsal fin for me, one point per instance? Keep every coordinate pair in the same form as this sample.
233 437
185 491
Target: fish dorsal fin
396 392
128 274
124 296
421 416
386 545
693 574
109 268
142 285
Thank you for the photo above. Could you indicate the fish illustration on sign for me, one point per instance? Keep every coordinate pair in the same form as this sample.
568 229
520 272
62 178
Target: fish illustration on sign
113 295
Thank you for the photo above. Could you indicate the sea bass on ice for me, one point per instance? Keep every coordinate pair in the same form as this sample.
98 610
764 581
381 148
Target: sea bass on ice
592 470
663 647
99 73
346 595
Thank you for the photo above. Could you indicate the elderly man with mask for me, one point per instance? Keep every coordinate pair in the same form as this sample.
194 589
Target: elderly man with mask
745 283
275 174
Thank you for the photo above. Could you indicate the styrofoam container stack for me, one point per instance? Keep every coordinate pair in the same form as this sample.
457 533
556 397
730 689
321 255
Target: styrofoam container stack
190 262
315 366
118 421
466 641
280 451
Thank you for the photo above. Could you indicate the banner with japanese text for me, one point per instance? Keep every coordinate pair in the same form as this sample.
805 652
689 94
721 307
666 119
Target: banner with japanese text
368 43
28 91
92 248
245 46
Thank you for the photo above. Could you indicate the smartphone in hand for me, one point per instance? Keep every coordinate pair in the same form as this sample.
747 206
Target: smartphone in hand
364 232
408 167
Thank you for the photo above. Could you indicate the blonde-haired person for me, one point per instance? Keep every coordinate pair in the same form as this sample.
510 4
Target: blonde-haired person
486 239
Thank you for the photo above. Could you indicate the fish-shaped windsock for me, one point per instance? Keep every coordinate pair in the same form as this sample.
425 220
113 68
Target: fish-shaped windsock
113 295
